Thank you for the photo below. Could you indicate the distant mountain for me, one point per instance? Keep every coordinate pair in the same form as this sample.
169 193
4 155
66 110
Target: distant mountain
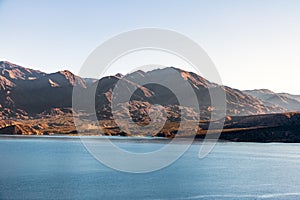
284 100
292 96
27 93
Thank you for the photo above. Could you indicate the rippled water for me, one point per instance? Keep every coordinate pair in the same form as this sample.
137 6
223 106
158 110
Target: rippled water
55 168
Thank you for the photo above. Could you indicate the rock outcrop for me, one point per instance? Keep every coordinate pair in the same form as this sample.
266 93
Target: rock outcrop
17 128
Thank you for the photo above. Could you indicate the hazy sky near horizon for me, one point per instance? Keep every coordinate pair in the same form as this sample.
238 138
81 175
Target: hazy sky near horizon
254 44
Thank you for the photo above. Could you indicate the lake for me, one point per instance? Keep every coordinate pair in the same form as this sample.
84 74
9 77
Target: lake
61 168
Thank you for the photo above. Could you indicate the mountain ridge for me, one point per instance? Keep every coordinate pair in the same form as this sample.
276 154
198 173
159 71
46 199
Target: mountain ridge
39 103
288 101
29 92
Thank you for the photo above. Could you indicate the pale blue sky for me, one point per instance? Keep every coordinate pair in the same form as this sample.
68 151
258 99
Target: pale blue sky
254 43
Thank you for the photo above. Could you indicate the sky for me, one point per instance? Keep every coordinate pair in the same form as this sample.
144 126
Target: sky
254 44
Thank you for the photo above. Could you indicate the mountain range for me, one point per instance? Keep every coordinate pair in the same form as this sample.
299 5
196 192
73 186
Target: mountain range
287 101
35 102
27 93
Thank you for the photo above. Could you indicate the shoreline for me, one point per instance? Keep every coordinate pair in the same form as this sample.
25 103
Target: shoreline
128 138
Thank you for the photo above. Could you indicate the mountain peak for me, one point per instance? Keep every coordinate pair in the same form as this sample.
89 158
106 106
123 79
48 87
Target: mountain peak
265 91
15 72
119 75
65 77
5 63
66 72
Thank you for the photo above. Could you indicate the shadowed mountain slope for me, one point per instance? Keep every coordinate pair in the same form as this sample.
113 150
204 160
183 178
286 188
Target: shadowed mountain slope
26 92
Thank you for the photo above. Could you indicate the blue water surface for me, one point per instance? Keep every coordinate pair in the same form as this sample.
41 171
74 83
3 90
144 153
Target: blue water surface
61 168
